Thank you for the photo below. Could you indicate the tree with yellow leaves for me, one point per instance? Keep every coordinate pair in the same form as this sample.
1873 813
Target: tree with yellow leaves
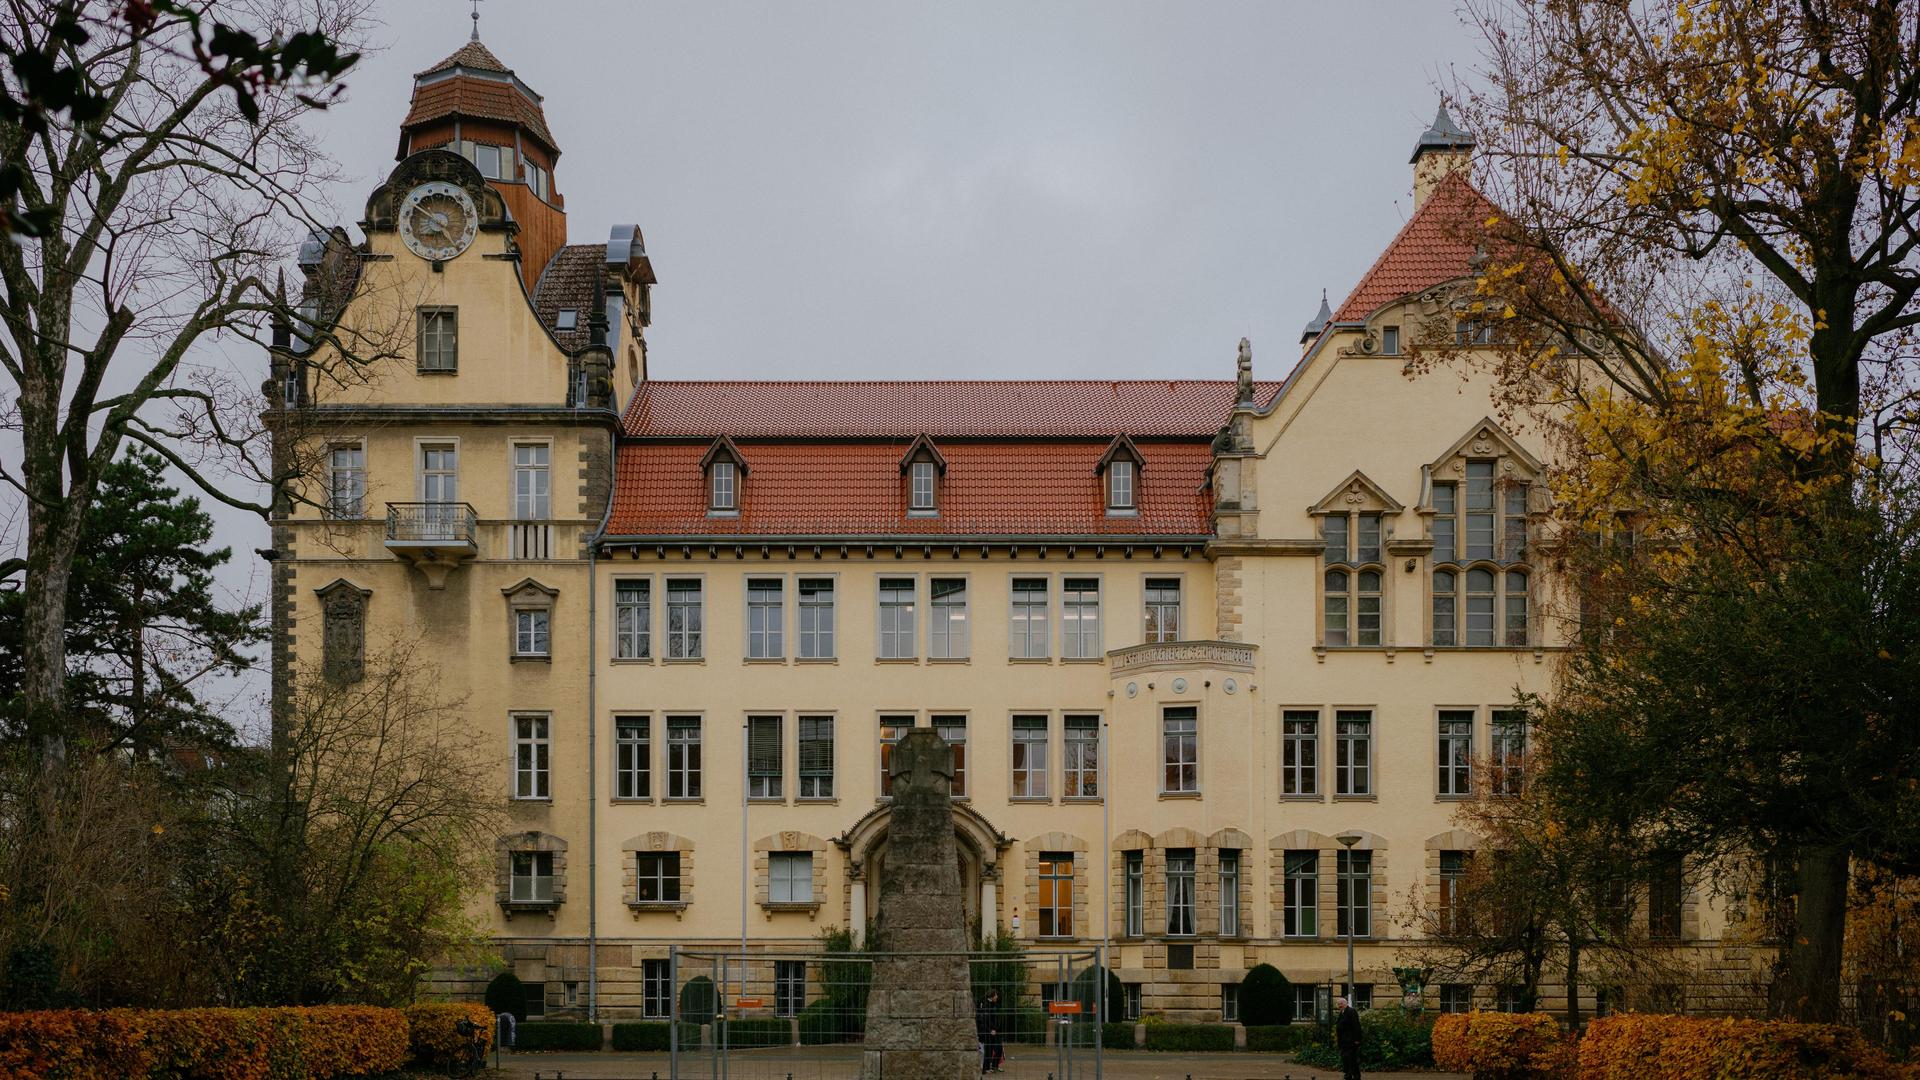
1705 271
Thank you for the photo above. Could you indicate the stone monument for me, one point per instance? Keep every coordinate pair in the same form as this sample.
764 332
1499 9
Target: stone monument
920 1008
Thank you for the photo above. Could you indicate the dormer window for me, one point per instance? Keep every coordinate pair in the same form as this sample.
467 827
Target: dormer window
494 162
722 489
567 319
724 468
923 465
1119 470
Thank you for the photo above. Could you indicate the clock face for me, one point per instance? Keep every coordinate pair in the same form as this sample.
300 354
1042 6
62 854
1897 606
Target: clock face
438 220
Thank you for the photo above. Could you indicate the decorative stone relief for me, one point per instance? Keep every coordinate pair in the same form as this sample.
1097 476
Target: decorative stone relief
343 634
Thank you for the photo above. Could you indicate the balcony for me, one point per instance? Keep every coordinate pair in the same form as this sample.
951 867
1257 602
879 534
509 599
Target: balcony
436 537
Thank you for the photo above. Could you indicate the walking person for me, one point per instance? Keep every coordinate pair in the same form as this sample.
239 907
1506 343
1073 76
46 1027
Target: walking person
1346 1035
987 1019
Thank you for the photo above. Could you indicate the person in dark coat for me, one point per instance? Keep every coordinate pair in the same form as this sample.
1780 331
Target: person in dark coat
989 1021
1346 1035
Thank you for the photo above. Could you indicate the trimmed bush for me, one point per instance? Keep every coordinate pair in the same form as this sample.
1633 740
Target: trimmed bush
824 1023
1116 1036
319 1043
537 1035
1500 1046
1702 1048
651 1035
1280 1038
1390 1038
1190 1037
753 1031
433 1039
1266 997
696 1000
1029 1025
1082 988
507 994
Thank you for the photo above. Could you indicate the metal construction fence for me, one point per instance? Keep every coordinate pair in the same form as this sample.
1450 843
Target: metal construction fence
769 1014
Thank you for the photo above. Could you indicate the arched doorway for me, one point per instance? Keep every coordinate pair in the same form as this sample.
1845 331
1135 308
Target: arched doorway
979 847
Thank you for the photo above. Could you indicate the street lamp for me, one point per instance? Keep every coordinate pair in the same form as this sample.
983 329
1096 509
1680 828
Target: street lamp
1347 840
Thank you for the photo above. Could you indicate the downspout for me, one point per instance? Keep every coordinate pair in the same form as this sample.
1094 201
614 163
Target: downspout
593 728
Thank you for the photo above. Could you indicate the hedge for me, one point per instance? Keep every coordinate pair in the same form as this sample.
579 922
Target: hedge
432 1037
1500 1046
753 1031
1280 1037
651 1035
1701 1048
538 1035
318 1043
1189 1036
1116 1036
1391 1039
823 1023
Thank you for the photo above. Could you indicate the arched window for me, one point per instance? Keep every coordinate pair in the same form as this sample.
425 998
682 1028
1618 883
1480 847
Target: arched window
1353 530
1478 501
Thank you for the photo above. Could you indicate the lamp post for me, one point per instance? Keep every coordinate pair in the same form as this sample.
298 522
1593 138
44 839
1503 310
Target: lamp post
1347 840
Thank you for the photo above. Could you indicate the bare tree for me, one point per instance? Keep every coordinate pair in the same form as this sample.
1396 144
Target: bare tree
161 205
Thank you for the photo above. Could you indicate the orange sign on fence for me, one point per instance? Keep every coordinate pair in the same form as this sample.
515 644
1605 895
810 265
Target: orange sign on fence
749 1003
1059 1008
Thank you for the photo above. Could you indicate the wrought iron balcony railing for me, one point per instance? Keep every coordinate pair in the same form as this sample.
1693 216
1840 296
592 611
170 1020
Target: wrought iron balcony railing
430 523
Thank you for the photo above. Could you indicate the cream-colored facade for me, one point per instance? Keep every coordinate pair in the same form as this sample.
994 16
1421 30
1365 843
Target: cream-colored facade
529 610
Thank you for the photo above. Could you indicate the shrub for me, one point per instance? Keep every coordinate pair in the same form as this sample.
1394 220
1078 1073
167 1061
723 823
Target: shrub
696 1000
1280 1037
652 1035
557 1035
754 1031
507 994
1116 1036
1390 1038
824 1022
1700 1048
1116 1002
1500 1046
1266 998
321 1043
1190 1037
1029 1025
432 1038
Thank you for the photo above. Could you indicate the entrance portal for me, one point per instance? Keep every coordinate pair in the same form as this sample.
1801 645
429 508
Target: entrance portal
980 847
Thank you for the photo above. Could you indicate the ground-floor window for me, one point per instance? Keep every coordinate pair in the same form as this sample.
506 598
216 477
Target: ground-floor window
1360 995
1230 1003
536 999
1507 999
1133 1000
1305 998
1456 998
789 987
656 983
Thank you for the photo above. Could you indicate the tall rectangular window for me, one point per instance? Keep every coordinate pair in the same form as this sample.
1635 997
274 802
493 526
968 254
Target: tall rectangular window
632 754
438 339
1056 894
1301 894
1027 628
439 473
1080 618
684 618
1333 532
892 730
954 730
765 764
656 989
1299 752
923 478
1446 509
633 620
1353 752
1666 892
656 877
683 757
816 757
1354 887
896 619
346 481
531 757
1030 757
532 877
1080 758
1513 534
816 618
947 637
790 877
1453 884
1136 893
1455 753
1508 753
789 987
1163 609
531 632
532 497
1480 509
722 487
1456 997
1180 892
766 617
1180 749
1230 1003
1230 892
1120 484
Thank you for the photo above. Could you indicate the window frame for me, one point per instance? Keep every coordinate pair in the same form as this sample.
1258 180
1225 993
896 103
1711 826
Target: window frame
531 764
666 878
1024 628
762 785
656 988
532 632
1022 770
1455 520
337 507
789 1000
686 758
1351 866
923 467
1353 616
539 475
1048 915
1078 642
450 476
1454 731
790 861
1123 498
769 642
1345 769
958 789
634 772
422 315
1300 920
1182 763
1507 766
1154 629
909 611
723 498
802 773
1231 871
1302 777
1133 870
1182 889
808 640
692 640
885 720
937 612
534 877
1078 770
636 633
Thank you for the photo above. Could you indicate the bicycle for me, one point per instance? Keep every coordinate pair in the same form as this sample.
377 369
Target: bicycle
470 1057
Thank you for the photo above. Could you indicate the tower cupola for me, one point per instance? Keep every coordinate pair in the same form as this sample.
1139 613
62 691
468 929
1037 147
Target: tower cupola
1441 150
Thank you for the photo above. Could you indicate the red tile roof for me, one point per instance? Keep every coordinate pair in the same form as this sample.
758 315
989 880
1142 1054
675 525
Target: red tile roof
1433 247
486 99
990 488
470 55
568 282
1083 409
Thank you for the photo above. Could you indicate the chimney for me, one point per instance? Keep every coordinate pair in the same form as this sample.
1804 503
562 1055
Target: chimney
1444 148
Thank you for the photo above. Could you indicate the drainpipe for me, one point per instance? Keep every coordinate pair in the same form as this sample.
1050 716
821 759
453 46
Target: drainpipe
593 738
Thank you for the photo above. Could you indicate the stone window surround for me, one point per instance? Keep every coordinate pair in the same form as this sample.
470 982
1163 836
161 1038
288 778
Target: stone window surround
785 841
656 841
1451 840
1357 495
1485 440
528 594
531 840
1153 860
1033 848
1328 922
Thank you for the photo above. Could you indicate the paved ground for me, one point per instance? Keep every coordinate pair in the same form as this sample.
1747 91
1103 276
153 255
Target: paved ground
835 1063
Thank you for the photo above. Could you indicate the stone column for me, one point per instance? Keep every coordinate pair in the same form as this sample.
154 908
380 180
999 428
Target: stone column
857 910
989 905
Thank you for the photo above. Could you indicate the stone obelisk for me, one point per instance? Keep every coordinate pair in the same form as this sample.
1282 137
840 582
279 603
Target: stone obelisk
920 1009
